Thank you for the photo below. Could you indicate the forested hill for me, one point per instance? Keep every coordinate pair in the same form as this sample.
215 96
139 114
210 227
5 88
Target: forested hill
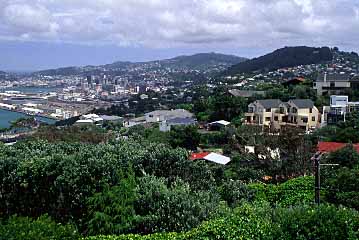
201 61
282 58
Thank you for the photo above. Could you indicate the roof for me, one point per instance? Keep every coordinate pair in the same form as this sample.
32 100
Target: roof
245 93
328 147
181 121
333 77
84 121
197 156
217 158
110 118
270 103
90 116
176 113
294 81
212 157
303 103
221 122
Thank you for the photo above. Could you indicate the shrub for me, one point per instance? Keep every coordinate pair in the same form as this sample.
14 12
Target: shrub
42 228
295 191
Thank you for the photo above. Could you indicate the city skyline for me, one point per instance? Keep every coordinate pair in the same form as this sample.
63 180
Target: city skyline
41 34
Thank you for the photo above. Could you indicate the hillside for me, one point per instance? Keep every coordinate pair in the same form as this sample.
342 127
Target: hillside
201 61
283 58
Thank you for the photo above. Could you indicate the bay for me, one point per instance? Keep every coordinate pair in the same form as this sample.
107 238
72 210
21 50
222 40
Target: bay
6 117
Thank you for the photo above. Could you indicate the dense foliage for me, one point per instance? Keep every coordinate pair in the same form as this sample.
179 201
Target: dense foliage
263 222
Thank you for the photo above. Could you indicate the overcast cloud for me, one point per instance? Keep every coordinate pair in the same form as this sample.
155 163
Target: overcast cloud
168 23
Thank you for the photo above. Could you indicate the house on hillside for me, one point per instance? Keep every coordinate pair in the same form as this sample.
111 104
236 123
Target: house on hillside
275 113
339 108
166 125
218 125
160 116
261 112
294 81
163 115
328 84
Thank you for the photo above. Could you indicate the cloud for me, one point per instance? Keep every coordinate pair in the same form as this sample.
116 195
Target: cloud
165 23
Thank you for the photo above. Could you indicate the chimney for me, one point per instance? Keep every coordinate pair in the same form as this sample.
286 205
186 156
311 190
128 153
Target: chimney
325 77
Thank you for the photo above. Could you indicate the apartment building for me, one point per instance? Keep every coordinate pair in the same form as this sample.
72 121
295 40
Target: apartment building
275 113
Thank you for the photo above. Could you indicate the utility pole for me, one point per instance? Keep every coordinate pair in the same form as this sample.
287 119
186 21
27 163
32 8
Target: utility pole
316 159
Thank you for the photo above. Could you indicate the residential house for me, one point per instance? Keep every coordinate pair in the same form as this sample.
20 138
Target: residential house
338 109
327 84
166 125
275 113
261 112
160 116
163 115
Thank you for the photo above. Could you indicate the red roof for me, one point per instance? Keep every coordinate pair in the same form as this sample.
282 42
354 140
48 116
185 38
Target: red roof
197 156
328 147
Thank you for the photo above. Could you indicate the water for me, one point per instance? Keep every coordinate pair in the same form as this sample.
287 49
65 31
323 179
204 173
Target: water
32 89
6 117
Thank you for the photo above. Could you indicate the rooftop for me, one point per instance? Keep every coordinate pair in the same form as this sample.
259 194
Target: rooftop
302 103
333 77
270 103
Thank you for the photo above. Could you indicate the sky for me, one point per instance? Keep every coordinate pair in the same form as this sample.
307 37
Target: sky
41 34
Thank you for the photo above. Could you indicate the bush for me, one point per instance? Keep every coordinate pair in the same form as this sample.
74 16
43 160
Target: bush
323 222
175 208
233 192
42 228
263 222
296 191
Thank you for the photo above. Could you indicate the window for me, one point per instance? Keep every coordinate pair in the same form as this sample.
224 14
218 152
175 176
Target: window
250 110
311 110
254 118
267 119
304 119
294 110
268 110
314 84
281 110
332 84
313 119
276 118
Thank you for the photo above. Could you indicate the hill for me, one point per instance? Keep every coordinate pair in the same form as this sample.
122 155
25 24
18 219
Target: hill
283 58
201 61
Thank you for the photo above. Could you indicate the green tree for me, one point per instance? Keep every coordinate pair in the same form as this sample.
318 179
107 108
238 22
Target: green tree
185 137
112 210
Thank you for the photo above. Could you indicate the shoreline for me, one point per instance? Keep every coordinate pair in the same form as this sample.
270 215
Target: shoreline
30 115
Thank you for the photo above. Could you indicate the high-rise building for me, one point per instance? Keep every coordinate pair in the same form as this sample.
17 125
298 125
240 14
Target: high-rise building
89 80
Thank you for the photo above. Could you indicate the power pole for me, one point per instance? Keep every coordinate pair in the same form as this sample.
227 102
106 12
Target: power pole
316 159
